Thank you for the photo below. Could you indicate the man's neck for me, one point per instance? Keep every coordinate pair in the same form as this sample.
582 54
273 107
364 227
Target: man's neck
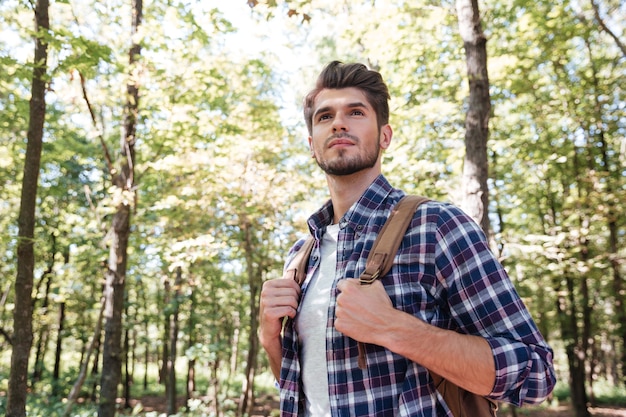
345 190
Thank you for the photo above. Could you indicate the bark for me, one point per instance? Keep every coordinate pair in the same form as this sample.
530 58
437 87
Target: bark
246 400
575 355
583 250
114 305
127 372
234 363
215 379
3 300
23 313
173 340
611 214
475 169
148 345
191 366
115 279
42 339
95 342
95 369
165 350
146 362
566 315
44 331
56 373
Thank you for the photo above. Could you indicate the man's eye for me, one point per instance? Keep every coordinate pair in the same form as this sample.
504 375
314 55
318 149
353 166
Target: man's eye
357 112
324 117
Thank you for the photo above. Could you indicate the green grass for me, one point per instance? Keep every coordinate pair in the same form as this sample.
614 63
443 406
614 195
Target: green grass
41 402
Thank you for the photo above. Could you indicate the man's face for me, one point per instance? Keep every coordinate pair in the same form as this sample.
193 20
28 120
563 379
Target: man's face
345 136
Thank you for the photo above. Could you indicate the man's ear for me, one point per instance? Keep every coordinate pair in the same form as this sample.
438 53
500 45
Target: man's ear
311 147
385 136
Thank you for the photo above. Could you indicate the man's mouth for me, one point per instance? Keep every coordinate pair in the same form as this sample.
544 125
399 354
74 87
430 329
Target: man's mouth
341 141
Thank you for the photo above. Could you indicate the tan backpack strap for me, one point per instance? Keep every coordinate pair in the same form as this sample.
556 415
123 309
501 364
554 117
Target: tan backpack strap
461 402
385 246
298 266
383 251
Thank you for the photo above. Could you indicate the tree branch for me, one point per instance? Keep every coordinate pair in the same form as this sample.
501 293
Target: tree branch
105 149
596 12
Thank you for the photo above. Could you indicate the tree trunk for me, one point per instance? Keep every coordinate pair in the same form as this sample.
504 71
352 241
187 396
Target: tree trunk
191 329
114 305
217 401
173 339
96 357
95 342
611 216
56 373
44 331
575 355
127 373
146 357
246 401
583 254
23 312
40 353
41 346
124 181
146 327
475 169
165 350
234 361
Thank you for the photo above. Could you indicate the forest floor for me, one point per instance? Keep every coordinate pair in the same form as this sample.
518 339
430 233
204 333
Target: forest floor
268 406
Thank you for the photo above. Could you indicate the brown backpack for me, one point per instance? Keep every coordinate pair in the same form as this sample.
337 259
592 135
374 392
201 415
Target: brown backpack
461 402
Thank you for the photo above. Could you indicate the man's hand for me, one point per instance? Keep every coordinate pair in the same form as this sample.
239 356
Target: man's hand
279 299
363 310
365 313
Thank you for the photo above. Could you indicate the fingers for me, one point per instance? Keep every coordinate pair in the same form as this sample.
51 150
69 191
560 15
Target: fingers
359 308
279 299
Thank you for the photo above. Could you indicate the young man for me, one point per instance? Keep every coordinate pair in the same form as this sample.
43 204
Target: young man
447 305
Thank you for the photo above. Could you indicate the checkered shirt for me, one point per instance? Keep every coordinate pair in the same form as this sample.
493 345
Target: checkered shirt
444 274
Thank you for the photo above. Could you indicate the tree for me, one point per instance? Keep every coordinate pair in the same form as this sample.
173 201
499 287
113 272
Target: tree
223 184
173 325
22 317
124 183
475 169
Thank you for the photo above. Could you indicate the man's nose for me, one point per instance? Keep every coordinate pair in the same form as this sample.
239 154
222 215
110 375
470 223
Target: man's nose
339 123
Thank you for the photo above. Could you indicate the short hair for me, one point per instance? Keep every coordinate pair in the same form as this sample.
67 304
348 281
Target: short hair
339 75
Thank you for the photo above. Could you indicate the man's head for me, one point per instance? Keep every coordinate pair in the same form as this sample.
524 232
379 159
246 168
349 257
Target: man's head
338 75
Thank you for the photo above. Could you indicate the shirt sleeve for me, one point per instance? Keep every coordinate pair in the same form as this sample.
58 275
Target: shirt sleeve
483 301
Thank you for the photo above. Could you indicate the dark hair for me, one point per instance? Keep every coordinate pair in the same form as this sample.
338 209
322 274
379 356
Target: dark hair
339 75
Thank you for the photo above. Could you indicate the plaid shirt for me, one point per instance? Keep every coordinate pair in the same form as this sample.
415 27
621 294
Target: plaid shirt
444 274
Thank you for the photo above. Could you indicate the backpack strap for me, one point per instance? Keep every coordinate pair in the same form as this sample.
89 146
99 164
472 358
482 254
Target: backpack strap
462 403
386 245
298 266
380 258
383 251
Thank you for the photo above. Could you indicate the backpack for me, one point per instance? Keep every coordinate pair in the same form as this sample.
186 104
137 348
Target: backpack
461 402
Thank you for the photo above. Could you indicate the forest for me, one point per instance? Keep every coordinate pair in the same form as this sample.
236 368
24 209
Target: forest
154 172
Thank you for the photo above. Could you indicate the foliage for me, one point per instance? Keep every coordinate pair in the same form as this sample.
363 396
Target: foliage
222 162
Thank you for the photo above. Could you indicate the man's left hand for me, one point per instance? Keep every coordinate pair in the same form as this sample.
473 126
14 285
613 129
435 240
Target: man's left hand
363 311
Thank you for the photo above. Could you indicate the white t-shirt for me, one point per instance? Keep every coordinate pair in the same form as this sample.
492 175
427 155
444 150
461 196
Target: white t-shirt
311 324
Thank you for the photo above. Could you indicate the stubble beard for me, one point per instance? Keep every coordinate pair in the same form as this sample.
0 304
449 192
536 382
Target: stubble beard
342 164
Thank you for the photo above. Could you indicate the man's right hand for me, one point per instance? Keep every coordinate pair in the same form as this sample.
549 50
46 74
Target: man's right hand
279 299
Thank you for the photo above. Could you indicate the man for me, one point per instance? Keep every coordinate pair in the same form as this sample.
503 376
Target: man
447 305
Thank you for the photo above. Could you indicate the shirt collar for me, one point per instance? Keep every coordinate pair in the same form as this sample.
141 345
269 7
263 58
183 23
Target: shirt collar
360 211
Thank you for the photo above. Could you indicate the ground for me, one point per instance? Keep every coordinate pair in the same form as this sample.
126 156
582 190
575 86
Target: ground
267 406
